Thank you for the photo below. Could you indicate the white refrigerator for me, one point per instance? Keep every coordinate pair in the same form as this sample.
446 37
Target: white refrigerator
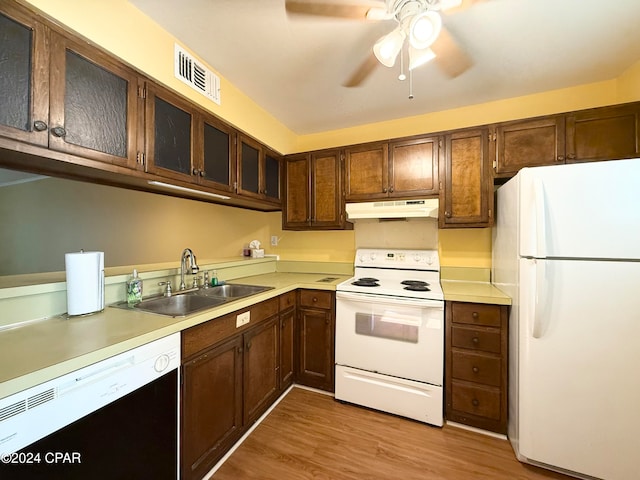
566 248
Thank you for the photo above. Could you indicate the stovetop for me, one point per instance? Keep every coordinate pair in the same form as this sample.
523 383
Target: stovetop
399 273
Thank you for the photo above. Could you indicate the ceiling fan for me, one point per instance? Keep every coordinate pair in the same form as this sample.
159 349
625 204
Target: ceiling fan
418 24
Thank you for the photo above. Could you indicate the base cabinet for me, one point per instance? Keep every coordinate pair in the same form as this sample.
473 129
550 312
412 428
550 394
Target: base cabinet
476 342
316 333
211 407
230 376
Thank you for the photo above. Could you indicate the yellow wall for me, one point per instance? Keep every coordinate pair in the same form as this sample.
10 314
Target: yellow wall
120 28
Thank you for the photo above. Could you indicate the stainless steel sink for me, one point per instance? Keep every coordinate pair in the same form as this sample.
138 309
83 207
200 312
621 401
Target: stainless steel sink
232 290
177 305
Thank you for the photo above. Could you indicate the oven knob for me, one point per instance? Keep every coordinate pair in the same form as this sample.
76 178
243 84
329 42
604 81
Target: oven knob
373 255
429 260
162 362
416 257
361 258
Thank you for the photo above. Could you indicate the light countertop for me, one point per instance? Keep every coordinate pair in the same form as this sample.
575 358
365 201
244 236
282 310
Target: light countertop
40 351
477 292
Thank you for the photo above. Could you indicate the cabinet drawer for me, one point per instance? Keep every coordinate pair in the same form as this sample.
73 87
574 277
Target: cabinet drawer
207 334
480 401
287 300
476 314
476 339
476 368
316 299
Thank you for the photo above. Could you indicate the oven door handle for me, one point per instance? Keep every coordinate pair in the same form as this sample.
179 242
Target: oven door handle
405 302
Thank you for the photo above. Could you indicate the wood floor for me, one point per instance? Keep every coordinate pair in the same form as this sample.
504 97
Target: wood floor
311 436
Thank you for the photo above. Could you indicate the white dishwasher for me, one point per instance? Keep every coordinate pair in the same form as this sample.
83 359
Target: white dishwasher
115 419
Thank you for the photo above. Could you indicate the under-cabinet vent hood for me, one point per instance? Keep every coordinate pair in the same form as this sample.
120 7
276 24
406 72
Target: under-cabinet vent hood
393 209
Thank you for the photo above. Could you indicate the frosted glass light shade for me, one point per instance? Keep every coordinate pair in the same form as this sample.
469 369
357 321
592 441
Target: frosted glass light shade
424 29
386 49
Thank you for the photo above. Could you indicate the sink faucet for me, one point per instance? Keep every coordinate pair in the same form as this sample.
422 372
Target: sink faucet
183 265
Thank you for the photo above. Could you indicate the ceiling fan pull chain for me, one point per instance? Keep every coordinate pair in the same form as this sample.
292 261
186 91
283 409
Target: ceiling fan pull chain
402 76
410 85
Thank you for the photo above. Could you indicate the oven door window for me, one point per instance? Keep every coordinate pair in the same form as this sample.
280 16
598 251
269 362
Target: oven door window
389 324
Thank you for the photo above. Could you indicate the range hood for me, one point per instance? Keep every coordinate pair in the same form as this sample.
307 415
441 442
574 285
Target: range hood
393 209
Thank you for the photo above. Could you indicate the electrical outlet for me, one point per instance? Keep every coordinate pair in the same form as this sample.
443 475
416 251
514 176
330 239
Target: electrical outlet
243 319
274 240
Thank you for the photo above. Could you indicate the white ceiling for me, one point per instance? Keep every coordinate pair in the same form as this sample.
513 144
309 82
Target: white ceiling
293 66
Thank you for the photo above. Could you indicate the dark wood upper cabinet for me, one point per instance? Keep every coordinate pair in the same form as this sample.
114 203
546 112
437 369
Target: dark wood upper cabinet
24 78
366 169
169 135
258 171
217 165
313 191
603 134
529 143
403 168
413 167
466 198
64 94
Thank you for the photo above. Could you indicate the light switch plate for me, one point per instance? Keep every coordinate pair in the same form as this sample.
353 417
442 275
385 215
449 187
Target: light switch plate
243 319
274 240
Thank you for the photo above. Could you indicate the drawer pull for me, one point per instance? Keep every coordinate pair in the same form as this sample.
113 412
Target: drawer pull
475 369
475 340
475 402
475 315
315 299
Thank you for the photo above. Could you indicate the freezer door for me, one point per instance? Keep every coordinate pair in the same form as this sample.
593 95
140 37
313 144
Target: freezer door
579 389
589 210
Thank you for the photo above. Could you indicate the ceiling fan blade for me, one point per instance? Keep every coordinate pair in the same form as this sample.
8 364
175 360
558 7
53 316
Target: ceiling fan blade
327 9
362 72
450 57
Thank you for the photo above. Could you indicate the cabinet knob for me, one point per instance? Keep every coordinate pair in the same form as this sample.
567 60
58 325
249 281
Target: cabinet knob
327 321
475 315
475 369
384 190
315 299
561 158
248 345
39 126
58 131
195 171
475 340
391 189
475 402
447 214
239 349
203 173
571 156
284 323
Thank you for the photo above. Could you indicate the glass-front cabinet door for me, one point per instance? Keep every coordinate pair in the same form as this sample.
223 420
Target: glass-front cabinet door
258 171
272 177
24 76
218 155
93 104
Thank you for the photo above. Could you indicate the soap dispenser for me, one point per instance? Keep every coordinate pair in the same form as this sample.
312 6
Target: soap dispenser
134 289
214 278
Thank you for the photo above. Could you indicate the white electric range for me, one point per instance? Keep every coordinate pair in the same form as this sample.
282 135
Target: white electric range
390 334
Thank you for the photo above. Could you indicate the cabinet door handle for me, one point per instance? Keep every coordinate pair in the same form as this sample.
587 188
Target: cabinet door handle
284 323
327 321
195 171
475 315
58 131
391 189
475 402
475 369
239 350
561 158
475 340
571 156
314 299
447 214
248 345
39 126
384 190
203 173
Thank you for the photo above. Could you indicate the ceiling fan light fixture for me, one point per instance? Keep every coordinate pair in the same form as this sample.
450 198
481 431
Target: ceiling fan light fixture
424 29
419 57
386 49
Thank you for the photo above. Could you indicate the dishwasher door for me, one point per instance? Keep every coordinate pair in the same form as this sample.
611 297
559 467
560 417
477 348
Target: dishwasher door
124 424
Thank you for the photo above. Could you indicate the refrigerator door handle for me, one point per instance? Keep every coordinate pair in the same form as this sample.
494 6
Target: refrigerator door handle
538 307
541 220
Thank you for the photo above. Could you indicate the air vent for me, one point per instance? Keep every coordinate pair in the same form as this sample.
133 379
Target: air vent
196 75
40 398
13 410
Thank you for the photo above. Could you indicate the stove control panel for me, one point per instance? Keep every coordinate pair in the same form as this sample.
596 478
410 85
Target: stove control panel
421 259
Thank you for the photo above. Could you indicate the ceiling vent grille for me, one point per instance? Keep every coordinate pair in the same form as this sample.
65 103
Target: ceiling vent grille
196 75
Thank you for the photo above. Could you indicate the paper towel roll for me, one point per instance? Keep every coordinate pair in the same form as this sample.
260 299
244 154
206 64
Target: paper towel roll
85 282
